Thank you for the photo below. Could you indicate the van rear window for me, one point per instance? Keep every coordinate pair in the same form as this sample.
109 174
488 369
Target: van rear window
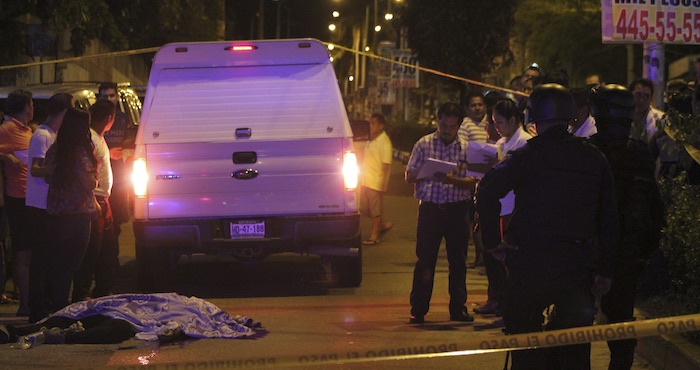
275 102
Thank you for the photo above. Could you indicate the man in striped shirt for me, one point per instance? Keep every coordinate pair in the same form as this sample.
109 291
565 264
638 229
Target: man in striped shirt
473 126
444 199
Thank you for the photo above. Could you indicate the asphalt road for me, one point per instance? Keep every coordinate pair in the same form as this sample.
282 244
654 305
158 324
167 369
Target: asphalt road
305 322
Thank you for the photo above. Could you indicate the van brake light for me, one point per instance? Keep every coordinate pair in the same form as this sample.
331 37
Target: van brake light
241 48
351 171
139 178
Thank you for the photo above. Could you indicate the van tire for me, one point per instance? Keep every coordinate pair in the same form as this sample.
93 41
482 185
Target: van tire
152 269
345 272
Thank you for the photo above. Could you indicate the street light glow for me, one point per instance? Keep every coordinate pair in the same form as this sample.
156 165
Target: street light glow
331 27
366 48
336 14
377 28
388 16
331 46
351 78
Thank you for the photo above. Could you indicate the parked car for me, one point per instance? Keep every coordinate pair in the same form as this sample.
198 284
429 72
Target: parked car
84 93
245 149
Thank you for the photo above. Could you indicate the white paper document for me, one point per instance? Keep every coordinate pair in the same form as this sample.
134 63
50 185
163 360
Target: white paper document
482 153
433 165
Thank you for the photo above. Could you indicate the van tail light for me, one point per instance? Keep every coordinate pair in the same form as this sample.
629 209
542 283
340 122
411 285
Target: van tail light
351 171
139 178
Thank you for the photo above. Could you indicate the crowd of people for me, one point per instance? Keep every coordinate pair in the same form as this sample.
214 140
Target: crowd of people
63 198
568 213
564 215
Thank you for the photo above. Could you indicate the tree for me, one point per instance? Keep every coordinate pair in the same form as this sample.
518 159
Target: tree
119 24
567 34
155 23
460 37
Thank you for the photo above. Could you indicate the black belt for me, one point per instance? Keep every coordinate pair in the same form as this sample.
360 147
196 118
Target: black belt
463 203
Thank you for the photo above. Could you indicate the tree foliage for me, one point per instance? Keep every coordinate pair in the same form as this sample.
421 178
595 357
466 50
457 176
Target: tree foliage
120 24
567 34
155 23
460 37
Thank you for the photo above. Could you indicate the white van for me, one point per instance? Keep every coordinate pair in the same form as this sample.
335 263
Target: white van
245 149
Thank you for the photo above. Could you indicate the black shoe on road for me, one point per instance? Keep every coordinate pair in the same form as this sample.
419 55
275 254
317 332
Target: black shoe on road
461 316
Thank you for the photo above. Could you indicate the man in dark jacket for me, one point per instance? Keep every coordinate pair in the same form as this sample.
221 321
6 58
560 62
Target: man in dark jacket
639 205
565 212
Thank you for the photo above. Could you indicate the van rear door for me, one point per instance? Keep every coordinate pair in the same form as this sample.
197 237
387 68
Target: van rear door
285 122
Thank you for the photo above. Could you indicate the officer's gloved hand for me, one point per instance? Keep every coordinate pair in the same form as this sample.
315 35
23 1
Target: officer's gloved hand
601 286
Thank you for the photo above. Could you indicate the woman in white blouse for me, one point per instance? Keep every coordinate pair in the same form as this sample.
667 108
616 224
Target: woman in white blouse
508 121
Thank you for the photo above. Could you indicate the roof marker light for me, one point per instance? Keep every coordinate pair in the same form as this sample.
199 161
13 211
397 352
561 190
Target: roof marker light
241 48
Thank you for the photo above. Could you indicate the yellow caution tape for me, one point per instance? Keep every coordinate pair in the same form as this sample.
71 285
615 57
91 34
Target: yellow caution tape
370 55
77 59
428 70
470 346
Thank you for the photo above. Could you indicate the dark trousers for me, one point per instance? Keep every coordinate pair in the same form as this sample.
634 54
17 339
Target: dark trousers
101 260
19 219
618 306
98 329
561 277
496 270
39 281
436 222
70 234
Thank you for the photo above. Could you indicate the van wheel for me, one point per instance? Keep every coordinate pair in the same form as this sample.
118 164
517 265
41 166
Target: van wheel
345 272
152 269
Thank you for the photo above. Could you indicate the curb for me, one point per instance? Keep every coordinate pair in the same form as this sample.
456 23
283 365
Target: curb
669 352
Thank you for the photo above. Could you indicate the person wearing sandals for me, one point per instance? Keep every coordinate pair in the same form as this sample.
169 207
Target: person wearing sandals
376 166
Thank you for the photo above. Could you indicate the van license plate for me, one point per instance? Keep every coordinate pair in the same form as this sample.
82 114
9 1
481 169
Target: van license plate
247 229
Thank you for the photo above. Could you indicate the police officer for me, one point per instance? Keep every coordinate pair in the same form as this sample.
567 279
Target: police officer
564 222
639 205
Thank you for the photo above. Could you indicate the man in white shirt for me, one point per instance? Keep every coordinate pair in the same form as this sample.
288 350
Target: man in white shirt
101 259
37 191
645 116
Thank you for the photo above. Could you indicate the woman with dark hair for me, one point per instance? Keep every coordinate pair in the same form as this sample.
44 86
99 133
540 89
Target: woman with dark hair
508 121
71 202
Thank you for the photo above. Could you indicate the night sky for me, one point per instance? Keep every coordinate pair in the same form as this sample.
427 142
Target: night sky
299 18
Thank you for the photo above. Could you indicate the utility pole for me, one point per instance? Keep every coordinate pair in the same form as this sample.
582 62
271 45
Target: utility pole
221 22
261 19
654 63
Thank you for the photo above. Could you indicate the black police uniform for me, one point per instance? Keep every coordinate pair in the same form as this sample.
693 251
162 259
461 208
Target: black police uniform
564 225
641 216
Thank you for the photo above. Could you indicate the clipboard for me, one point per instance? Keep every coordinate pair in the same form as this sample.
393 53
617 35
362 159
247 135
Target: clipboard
433 165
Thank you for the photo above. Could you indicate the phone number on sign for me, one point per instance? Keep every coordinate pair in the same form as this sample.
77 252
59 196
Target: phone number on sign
657 26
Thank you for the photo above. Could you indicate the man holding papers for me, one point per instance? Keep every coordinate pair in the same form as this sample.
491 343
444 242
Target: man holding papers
444 197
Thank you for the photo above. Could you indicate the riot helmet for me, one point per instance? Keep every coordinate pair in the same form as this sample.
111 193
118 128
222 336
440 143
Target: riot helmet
611 102
550 102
